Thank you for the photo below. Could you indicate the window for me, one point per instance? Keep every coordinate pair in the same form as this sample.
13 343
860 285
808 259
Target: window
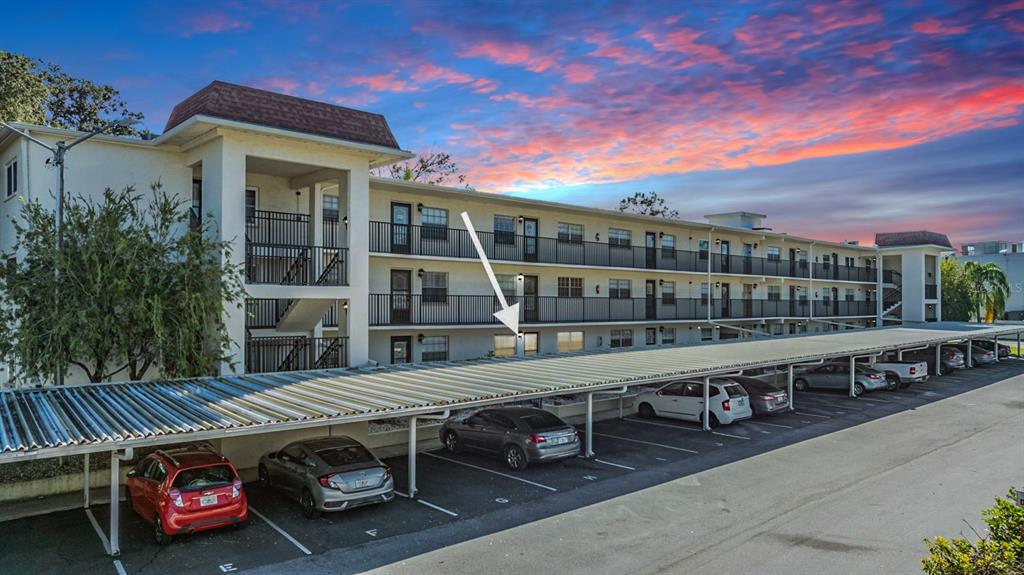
849 294
619 238
250 204
774 254
826 295
571 233
435 287
504 230
618 289
704 292
774 293
669 335
702 247
651 336
668 293
434 222
668 246
570 341
331 209
531 341
507 283
504 345
196 211
851 262
434 348
707 334
11 177
622 338
570 287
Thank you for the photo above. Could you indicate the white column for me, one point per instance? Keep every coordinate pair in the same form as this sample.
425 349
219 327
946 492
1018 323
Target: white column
590 425
970 353
85 479
853 376
938 359
357 200
707 404
224 197
115 500
995 346
789 388
412 457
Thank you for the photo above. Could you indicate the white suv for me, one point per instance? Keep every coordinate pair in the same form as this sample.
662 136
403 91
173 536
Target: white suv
685 400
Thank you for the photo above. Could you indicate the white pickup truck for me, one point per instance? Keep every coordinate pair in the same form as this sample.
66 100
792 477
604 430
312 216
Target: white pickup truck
900 374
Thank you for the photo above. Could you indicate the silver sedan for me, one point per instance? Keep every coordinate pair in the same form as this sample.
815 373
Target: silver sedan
328 474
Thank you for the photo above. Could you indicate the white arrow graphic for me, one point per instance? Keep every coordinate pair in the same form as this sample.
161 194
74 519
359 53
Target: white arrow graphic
509 315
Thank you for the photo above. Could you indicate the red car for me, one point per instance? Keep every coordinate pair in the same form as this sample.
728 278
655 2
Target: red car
186 490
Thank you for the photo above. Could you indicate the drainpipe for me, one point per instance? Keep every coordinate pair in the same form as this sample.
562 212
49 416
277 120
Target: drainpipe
710 285
810 277
878 288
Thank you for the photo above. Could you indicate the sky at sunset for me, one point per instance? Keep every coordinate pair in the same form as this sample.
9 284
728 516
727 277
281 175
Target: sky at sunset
837 119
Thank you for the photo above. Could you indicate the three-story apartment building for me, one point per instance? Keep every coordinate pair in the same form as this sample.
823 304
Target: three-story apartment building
345 269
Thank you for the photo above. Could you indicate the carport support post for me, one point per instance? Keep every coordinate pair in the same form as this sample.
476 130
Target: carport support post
1020 352
707 404
970 353
85 480
995 346
590 425
115 496
853 376
412 457
789 388
938 359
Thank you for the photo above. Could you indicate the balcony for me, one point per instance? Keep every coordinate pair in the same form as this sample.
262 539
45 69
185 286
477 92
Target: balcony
278 251
417 309
291 353
447 242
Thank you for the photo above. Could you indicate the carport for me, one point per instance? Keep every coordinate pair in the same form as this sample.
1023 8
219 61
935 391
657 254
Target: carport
118 417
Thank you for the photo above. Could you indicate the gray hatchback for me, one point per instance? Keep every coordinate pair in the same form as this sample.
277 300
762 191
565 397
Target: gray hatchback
328 474
522 435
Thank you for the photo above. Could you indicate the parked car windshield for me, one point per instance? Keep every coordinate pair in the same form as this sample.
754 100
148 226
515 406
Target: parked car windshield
345 455
204 478
541 420
735 391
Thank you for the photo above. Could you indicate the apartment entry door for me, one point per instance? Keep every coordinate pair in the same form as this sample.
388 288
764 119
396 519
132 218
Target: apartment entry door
726 307
651 250
792 264
530 230
401 296
651 299
530 303
748 300
725 256
401 218
401 349
748 258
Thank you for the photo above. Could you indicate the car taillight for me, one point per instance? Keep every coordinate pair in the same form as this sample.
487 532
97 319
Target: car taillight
725 405
768 397
537 438
176 499
324 481
874 376
236 488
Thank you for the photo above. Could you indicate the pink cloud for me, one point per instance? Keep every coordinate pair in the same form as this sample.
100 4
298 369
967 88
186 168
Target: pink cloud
277 84
843 14
509 54
485 86
934 26
427 72
868 50
212 23
685 41
388 82
580 73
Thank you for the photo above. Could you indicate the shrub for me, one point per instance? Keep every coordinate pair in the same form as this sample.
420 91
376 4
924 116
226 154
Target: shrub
1001 553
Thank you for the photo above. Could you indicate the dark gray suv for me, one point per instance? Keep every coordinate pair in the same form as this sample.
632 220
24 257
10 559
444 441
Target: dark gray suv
522 435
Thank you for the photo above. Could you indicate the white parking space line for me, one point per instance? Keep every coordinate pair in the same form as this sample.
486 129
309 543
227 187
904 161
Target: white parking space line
669 425
672 447
283 533
437 507
805 414
96 526
729 435
769 424
119 568
620 466
520 479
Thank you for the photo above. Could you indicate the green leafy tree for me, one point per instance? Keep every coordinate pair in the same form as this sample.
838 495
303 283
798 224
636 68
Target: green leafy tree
435 168
647 204
39 92
957 304
1000 553
990 289
135 288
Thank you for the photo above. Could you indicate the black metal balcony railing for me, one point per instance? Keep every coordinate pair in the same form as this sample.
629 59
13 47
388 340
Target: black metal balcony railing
332 235
277 228
831 271
331 317
290 353
455 243
931 291
417 309
296 265
264 313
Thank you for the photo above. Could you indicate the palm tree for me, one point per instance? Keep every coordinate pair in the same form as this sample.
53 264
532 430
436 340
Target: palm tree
989 289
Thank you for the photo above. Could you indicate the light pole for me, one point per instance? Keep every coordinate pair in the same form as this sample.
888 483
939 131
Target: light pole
59 153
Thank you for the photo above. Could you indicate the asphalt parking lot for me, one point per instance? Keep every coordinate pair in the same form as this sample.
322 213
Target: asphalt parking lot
461 496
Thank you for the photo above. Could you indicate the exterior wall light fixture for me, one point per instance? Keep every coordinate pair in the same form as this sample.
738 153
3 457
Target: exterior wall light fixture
420 273
419 208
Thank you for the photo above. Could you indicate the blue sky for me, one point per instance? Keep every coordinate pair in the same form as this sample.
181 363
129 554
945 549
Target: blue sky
836 119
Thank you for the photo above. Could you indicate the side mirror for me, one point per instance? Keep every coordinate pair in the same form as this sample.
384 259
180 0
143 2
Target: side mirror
132 473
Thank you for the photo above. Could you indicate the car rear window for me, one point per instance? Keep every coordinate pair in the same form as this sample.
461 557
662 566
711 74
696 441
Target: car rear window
199 478
541 420
346 455
735 391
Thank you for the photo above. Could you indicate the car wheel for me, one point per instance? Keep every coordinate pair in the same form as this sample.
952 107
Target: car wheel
308 504
264 476
159 535
800 384
451 442
892 383
515 458
645 411
858 390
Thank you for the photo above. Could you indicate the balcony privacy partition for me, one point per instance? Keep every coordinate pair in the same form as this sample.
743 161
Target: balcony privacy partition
442 241
291 353
417 309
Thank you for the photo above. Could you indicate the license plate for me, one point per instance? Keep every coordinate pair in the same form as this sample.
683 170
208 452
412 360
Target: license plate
207 500
361 483
559 440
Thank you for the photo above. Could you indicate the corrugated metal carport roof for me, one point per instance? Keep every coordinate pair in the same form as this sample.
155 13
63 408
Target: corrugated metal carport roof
50 422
